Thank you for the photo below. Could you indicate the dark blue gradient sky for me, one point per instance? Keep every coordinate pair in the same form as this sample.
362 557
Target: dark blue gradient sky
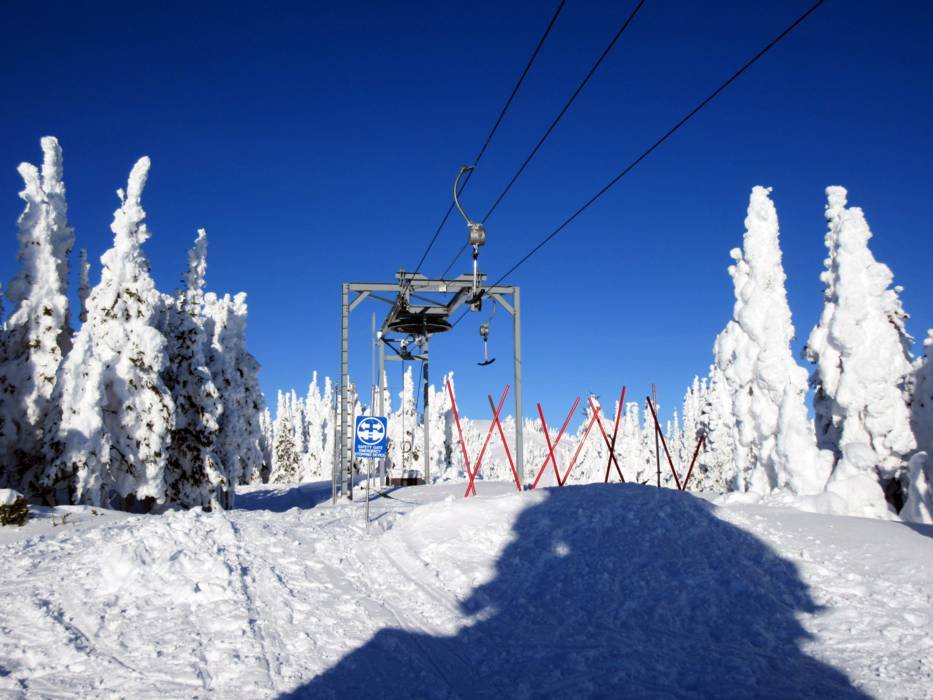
318 143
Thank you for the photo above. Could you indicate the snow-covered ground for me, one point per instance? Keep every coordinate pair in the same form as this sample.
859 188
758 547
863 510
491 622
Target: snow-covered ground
600 591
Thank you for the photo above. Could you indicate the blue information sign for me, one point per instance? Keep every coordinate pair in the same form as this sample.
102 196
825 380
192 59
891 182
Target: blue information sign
370 438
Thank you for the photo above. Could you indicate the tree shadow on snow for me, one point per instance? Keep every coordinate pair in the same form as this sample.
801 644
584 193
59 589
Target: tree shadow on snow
279 500
925 530
610 591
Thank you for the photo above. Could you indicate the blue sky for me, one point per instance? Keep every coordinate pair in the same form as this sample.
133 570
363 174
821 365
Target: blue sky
318 142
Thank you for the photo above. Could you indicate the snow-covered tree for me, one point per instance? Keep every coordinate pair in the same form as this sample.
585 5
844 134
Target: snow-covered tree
315 418
84 287
651 450
110 443
240 442
863 367
265 427
774 443
442 427
286 461
630 449
921 407
329 429
591 462
714 470
403 427
690 432
62 234
37 334
675 442
300 432
195 475
918 500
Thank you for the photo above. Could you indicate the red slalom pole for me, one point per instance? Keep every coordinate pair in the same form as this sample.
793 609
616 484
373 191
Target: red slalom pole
479 460
579 448
693 461
612 456
615 432
453 404
505 443
657 427
556 442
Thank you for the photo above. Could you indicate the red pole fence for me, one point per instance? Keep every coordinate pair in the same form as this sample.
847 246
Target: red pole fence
505 443
551 457
479 460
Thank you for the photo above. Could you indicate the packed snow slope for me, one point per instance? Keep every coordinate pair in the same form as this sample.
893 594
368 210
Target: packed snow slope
586 591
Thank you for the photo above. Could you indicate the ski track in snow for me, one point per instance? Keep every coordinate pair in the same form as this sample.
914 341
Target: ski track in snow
257 603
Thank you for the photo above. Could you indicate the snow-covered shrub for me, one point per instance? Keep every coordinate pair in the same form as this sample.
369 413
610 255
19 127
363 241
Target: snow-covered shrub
774 445
861 351
37 334
110 442
14 509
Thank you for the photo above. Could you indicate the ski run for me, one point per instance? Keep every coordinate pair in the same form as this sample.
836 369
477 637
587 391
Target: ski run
599 591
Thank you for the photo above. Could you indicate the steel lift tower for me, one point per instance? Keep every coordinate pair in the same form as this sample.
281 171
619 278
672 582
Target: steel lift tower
421 307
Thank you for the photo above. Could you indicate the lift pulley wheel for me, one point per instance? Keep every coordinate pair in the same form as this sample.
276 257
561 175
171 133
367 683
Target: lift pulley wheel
418 324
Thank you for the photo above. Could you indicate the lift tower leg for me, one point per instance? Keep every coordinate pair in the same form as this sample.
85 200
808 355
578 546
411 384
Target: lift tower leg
345 477
517 341
427 418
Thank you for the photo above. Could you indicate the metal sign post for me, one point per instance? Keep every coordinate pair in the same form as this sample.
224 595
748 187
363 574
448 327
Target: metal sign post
370 441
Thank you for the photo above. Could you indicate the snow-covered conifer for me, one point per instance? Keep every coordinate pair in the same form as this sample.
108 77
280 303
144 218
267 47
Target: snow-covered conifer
236 374
774 444
442 428
629 446
715 469
403 426
300 431
265 426
36 335
329 429
195 475
921 407
110 443
315 416
651 451
62 234
84 288
918 500
863 367
690 433
286 462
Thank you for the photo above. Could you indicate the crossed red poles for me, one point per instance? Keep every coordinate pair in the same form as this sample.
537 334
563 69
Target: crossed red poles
496 410
657 427
595 418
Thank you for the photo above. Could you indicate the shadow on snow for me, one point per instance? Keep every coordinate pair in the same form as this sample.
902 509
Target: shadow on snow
279 500
619 591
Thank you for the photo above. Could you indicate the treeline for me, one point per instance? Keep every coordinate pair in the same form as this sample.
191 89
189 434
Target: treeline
153 400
